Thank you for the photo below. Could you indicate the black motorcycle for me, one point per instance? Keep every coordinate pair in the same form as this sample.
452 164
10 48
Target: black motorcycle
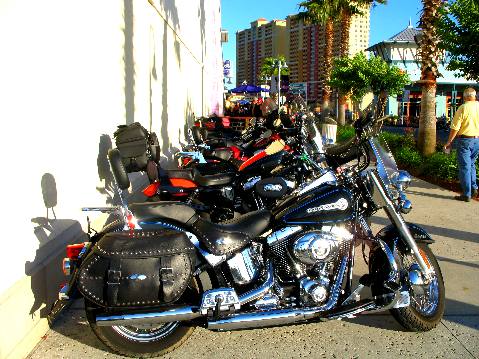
161 269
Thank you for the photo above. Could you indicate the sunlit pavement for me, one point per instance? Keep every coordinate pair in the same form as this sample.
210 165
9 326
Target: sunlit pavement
454 225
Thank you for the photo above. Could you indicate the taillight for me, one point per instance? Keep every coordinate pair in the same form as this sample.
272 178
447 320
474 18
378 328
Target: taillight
150 191
131 221
73 250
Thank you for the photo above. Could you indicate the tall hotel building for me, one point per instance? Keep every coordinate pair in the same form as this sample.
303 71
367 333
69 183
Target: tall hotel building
302 45
306 49
263 39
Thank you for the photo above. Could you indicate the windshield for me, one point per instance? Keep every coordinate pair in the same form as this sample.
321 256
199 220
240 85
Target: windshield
385 163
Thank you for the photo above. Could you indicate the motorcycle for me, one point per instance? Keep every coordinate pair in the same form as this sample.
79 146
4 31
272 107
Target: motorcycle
158 271
220 188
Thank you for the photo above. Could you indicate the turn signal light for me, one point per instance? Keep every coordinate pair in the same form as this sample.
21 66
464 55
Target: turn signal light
73 250
66 266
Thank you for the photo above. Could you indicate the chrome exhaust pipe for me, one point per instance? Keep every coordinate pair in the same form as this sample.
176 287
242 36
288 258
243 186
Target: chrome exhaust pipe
280 316
170 315
259 292
180 314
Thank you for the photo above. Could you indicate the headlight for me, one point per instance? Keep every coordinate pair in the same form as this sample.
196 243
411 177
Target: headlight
401 180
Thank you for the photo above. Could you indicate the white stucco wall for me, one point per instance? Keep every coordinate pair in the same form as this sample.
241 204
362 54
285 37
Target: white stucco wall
70 72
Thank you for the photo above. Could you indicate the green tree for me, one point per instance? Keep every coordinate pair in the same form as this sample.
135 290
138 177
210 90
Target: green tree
458 31
350 76
269 68
429 54
347 9
385 80
356 76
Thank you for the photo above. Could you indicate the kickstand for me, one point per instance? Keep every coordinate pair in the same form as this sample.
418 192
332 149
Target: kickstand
218 300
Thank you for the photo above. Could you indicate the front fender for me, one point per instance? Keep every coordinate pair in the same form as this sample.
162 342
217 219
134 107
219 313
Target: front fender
419 234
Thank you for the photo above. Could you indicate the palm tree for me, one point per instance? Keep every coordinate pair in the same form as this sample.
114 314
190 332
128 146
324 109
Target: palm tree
429 53
323 12
269 68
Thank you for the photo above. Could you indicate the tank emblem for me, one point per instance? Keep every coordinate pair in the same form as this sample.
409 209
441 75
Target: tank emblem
137 277
341 204
272 188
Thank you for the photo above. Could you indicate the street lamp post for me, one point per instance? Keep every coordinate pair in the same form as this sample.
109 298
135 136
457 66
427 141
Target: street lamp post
281 65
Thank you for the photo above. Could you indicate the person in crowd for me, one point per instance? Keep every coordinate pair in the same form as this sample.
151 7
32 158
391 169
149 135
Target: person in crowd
256 110
465 129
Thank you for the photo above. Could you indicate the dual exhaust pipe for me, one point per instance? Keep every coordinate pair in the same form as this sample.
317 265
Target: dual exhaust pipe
183 313
257 319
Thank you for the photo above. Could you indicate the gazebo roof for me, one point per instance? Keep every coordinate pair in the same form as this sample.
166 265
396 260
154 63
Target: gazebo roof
406 35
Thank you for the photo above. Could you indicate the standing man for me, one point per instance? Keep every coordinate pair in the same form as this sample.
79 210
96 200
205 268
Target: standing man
465 127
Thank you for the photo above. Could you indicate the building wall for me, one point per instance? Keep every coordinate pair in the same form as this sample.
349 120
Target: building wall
70 73
263 39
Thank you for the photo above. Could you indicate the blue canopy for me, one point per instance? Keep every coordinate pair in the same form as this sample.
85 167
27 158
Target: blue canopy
248 89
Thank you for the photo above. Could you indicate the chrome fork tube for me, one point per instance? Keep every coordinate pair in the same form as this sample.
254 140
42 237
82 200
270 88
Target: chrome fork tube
400 223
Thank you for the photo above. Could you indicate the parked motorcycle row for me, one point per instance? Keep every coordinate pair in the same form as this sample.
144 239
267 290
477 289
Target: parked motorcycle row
254 229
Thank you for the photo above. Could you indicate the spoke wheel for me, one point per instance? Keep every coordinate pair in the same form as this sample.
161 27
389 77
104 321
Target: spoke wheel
427 301
146 334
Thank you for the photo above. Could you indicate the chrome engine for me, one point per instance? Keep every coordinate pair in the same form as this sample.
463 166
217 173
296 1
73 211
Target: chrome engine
307 261
310 259
246 266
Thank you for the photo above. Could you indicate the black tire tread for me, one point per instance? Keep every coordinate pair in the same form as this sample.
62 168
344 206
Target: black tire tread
116 349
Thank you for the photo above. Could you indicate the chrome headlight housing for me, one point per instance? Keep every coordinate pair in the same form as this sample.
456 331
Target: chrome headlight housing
401 180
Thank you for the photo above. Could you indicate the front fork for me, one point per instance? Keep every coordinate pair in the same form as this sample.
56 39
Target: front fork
401 226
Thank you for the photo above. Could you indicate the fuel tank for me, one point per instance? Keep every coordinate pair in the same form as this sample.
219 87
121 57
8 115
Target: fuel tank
326 204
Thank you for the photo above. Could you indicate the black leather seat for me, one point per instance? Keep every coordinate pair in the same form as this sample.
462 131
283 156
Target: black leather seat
233 235
175 211
218 179
183 173
343 153
223 153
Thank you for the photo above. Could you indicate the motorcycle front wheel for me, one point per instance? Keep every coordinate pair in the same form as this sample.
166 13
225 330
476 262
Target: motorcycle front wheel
427 301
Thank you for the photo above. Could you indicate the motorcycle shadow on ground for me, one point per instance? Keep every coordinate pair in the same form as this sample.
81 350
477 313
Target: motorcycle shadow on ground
52 233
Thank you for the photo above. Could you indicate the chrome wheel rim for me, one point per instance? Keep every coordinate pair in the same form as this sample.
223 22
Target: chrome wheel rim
425 298
146 333
426 301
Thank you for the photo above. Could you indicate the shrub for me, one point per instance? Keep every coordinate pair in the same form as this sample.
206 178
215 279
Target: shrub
344 133
409 158
440 165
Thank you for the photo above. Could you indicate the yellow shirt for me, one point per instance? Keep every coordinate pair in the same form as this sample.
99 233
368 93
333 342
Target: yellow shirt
466 119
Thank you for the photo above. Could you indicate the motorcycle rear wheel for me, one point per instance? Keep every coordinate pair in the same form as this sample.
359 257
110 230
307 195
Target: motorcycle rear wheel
147 341
143 342
427 303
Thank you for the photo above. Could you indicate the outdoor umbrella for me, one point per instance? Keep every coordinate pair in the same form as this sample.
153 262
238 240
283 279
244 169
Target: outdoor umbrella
248 89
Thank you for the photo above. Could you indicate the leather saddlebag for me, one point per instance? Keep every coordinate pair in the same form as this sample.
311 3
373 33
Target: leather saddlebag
137 268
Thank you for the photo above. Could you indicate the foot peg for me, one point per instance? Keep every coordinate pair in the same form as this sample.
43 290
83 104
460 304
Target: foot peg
218 301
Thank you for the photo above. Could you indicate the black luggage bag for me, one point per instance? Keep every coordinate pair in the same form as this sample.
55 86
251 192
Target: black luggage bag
137 269
137 146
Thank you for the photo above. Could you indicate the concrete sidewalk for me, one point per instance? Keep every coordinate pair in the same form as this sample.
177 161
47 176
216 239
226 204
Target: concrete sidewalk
455 227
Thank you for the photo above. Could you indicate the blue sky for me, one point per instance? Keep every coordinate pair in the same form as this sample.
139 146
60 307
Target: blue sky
386 20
